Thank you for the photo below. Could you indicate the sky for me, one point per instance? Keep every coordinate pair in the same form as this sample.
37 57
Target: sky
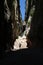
22 8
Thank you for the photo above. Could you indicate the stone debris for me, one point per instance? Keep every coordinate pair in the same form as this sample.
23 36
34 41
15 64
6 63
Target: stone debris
20 43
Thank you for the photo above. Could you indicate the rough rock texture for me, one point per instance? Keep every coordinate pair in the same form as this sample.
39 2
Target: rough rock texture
16 19
27 8
20 43
12 20
36 33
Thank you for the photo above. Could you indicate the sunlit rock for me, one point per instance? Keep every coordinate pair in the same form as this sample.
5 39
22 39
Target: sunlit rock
20 43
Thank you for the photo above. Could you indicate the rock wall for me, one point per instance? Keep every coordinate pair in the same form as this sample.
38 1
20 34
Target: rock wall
36 33
27 9
12 20
16 19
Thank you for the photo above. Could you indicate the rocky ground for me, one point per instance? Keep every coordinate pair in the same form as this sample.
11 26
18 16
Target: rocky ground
20 43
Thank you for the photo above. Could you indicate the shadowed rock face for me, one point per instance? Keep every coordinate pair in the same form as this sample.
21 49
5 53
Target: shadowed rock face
2 27
10 26
16 19
36 33
29 6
